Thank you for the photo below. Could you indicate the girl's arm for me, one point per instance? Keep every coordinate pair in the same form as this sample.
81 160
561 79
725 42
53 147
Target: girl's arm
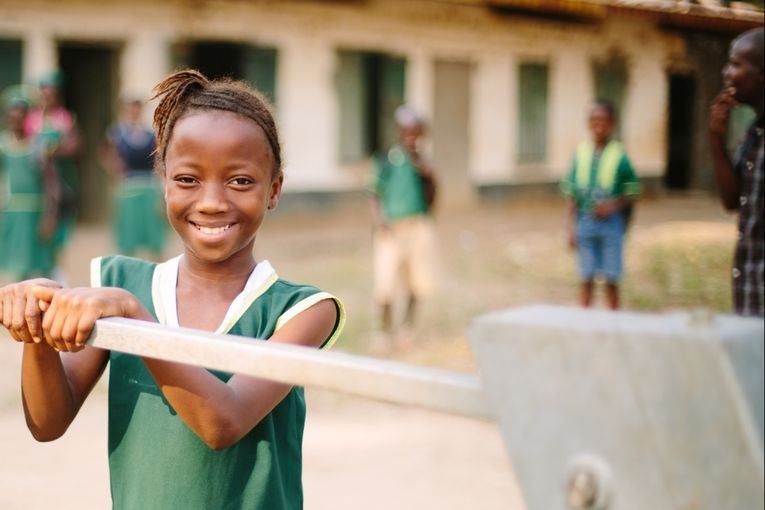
219 413
223 413
54 383
53 386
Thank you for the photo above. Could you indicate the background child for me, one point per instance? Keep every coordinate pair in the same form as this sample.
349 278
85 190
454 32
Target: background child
404 239
601 187
139 222
740 184
28 207
182 436
54 128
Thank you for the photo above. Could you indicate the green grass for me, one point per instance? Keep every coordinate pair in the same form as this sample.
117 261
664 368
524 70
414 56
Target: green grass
681 272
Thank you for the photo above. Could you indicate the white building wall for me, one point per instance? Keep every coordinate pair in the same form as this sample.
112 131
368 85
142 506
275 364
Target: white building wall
144 63
39 53
307 35
493 109
571 93
308 115
419 81
646 115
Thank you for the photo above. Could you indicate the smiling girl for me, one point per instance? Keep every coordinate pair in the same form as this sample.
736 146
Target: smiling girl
182 436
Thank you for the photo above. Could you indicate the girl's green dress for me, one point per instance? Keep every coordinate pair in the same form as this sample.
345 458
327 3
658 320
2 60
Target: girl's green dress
23 252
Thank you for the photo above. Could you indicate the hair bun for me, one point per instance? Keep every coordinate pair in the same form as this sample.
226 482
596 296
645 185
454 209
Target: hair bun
171 92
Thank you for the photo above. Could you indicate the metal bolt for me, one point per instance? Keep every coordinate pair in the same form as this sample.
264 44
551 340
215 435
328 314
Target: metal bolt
588 484
582 490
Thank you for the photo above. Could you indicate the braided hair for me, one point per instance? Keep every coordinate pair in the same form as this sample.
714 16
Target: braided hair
188 91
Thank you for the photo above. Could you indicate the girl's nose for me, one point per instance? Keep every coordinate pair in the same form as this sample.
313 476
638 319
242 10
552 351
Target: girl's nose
213 199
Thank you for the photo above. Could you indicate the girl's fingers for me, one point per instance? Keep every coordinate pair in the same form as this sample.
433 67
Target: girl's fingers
50 326
68 332
44 293
7 305
20 309
13 316
85 328
32 316
18 319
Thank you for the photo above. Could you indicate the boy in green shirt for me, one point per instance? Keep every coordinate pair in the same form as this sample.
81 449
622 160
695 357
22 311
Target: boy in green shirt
601 187
404 241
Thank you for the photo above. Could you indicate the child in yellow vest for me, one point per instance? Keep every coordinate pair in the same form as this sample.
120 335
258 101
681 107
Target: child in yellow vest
601 187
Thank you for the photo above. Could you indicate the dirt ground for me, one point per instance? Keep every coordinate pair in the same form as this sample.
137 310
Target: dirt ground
362 454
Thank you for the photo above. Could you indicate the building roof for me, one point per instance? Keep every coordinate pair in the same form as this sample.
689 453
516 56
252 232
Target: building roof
706 15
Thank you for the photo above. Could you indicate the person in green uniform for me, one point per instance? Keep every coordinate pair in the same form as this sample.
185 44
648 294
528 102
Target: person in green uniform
139 216
183 437
28 205
54 128
404 251
601 188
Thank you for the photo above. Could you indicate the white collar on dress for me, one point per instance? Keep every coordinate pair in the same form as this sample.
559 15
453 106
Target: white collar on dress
165 281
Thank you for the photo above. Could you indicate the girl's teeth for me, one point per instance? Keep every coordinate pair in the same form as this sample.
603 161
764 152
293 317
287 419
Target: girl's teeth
212 230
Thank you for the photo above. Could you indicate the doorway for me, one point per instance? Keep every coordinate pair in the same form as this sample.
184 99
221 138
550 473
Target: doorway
10 67
90 92
680 130
220 59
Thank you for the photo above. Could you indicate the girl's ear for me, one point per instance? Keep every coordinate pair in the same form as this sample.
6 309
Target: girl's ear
275 192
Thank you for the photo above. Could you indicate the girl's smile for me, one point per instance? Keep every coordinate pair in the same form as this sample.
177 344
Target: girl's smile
213 234
209 231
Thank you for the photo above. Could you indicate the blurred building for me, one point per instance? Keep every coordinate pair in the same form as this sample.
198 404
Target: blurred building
506 83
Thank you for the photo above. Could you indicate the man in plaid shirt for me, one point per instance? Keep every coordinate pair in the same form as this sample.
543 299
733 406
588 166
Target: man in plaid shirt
740 182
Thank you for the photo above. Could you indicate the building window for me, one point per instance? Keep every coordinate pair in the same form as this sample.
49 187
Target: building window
254 64
369 86
10 66
532 109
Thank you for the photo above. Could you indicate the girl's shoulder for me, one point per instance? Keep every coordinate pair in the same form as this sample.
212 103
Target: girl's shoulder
283 286
285 294
293 298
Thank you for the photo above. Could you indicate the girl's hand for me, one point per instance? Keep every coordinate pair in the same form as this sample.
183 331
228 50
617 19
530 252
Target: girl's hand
70 314
21 311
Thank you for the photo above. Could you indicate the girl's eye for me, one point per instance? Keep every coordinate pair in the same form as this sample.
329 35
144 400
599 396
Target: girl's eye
185 179
241 181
